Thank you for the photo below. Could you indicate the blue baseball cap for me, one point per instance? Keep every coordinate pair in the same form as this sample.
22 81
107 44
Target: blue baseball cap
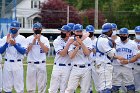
65 28
89 28
137 29
123 31
78 27
71 25
106 27
37 25
15 24
114 26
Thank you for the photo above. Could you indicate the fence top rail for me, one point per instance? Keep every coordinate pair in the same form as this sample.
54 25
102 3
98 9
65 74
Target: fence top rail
56 31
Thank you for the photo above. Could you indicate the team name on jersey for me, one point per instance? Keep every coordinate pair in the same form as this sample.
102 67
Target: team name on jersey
124 50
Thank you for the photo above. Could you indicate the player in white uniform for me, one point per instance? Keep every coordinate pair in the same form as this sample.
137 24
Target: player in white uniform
105 53
136 71
79 52
62 62
71 25
0 68
14 47
114 34
123 73
38 46
92 57
116 39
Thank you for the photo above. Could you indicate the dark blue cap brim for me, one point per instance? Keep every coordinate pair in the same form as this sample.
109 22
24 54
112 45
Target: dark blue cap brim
103 31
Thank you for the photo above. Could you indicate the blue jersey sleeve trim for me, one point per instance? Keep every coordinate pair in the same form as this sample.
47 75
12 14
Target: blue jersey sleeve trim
20 49
3 48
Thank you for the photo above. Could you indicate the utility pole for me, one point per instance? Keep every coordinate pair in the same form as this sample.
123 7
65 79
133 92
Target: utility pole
3 9
68 12
96 14
15 9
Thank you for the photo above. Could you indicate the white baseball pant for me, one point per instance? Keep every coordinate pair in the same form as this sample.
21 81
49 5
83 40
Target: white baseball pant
79 74
36 74
104 72
136 73
122 74
13 76
59 78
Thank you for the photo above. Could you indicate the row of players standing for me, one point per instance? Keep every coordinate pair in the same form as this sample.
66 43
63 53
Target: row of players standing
71 63
111 67
14 47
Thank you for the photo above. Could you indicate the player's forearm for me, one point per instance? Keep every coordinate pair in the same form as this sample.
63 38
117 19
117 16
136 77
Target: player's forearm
133 59
73 53
86 51
29 48
20 49
3 48
94 51
45 48
65 50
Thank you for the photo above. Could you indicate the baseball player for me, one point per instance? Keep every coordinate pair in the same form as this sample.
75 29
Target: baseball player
37 47
71 25
105 52
14 47
136 71
114 34
79 52
0 69
116 39
92 57
123 73
62 62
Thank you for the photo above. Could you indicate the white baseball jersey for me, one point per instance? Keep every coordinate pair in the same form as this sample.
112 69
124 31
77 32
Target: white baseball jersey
59 72
138 50
11 53
80 58
36 53
103 47
13 71
92 56
126 50
136 70
36 73
59 45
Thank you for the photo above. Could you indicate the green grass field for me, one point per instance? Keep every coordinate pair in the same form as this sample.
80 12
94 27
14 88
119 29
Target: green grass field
50 60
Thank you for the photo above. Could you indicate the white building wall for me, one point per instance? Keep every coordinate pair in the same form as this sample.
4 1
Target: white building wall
24 11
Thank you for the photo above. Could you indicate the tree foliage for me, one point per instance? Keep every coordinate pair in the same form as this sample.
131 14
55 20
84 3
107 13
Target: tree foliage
54 14
89 15
125 13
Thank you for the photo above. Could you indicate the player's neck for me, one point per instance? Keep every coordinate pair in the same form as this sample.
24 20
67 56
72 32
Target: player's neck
114 37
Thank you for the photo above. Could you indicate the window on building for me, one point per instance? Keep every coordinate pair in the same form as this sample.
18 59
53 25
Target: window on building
22 21
35 4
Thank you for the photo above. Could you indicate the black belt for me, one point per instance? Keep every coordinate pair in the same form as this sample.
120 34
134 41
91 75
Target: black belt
37 62
138 64
60 64
108 63
81 66
13 60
